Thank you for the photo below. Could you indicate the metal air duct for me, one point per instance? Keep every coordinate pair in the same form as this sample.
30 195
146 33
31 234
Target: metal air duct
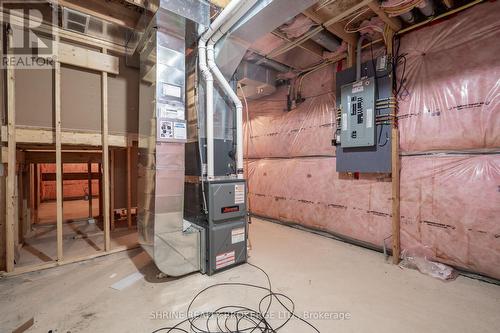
174 244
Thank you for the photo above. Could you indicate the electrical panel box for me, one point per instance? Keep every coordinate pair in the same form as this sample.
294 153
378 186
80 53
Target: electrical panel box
370 150
357 115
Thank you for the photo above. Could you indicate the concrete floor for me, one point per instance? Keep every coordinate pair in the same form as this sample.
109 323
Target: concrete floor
321 275
72 210
79 237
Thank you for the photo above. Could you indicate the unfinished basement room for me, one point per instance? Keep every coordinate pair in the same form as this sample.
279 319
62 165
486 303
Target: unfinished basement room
244 166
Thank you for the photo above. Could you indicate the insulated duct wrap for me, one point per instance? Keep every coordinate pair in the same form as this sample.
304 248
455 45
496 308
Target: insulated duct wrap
450 169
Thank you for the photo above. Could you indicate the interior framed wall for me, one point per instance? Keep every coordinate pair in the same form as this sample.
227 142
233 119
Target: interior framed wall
86 103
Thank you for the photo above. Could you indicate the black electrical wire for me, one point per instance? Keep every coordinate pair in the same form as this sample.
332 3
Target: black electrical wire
399 59
245 319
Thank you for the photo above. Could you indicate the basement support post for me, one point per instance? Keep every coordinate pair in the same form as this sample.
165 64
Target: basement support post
11 166
38 193
129 184
89 185
112 188
396 215
32 196
59 171
100 192
105 158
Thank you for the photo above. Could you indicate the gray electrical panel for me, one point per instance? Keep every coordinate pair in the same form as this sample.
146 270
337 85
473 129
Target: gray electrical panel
359 154
357 114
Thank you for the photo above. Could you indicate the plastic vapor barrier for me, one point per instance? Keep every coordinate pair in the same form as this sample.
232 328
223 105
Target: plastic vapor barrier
304 131
450 100
450 140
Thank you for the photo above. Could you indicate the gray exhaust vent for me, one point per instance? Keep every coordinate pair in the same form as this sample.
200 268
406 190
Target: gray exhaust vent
256 81
75 21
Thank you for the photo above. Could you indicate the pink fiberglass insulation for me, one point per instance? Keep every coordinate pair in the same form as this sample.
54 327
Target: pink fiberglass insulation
449 204
451 96
310 192
304 131
450 208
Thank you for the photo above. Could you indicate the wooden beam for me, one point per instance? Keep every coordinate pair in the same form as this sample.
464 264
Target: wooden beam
351 55
38 192
308 45
393 22
39 267
396 168
50 177
59 163
67 157
80 57
89 185
100 191
32 191
105 158
129 186
42 136
220 3
11 166
344 14
22 203
330 22
336 29
112 189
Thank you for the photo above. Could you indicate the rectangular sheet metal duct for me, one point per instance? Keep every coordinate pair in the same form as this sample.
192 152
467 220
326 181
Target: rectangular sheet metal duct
174 244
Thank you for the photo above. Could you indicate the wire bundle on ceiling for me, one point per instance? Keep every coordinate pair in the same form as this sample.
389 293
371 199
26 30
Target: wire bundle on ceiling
239 319
401 7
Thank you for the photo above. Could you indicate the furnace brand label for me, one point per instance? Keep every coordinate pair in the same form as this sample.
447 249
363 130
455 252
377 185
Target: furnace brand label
225 259
238 235
239 194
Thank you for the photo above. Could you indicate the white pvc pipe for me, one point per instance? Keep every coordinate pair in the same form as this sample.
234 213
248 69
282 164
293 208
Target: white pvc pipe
225 85
205 71
239 108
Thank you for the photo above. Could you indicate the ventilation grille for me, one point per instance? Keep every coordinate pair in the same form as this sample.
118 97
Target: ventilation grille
75 21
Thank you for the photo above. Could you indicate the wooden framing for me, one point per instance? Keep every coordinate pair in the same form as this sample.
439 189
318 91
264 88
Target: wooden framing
35 138
396 168
11 167
78 56
59 164
129 185
393 22
336 29
89 185
112 188
38 136
67 157
105 158
32 193
35 268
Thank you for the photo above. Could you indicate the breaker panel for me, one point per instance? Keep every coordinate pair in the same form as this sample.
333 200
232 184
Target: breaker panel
363 132
357 120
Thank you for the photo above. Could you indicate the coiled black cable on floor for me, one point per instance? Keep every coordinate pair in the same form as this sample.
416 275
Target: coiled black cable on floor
243 319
